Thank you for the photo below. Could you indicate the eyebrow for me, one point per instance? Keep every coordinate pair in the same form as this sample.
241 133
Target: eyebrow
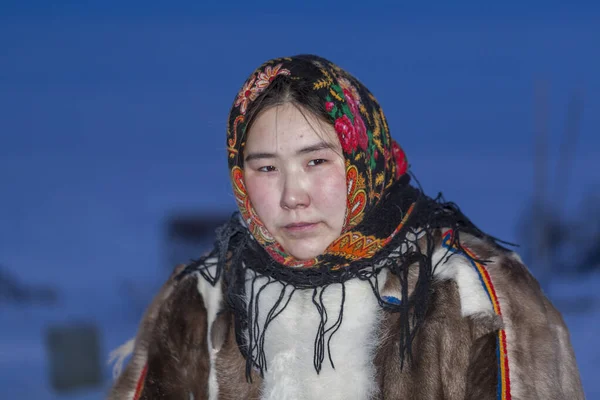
304 150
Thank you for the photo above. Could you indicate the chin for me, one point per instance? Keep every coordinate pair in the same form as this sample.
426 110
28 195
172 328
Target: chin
304 253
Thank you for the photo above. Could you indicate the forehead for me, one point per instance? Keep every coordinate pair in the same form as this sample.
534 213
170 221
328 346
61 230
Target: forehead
286 127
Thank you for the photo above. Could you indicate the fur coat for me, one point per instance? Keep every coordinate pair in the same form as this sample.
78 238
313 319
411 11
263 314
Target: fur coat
489 333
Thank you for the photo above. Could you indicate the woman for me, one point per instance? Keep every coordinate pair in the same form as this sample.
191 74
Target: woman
338 279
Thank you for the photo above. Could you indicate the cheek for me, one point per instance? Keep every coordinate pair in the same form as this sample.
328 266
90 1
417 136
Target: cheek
262 196
331 191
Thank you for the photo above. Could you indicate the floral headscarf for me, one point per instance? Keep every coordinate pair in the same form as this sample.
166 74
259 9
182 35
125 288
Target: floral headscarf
374 161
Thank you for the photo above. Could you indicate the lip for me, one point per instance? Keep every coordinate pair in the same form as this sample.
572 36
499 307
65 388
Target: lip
300 226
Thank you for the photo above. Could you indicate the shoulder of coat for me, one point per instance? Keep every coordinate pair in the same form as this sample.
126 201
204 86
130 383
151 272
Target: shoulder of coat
468 264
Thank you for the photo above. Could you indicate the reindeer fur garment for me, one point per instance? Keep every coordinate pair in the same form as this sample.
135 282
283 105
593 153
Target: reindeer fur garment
186 346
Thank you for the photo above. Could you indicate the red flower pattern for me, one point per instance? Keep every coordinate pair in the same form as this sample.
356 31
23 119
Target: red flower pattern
359 124
346 133
401 161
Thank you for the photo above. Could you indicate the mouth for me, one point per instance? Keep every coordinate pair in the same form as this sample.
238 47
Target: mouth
300 226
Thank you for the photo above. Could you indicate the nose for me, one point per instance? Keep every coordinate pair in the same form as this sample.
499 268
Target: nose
295 193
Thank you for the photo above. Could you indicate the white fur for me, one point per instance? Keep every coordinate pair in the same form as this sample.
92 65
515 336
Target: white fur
212 297
473 296
119 355
290 339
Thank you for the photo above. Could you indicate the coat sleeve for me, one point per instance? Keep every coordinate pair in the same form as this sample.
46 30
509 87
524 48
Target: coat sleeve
535 355
540 358
170 356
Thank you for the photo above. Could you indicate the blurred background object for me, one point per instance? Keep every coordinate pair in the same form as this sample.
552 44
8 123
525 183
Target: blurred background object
74 353
189 233
14 292
112 148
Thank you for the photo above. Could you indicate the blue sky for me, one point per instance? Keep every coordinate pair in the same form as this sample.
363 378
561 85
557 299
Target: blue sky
425 9
113 117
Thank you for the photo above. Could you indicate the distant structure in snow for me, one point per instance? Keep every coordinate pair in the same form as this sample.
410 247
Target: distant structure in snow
189 236
554 243
14 291
73 352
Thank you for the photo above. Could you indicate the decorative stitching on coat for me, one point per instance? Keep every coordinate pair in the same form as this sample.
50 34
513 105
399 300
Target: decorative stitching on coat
486 281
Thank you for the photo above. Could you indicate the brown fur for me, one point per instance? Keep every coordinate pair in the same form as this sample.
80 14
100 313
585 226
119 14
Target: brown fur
178 362
231 370
446 351
546 366
453 357
482 373
128 379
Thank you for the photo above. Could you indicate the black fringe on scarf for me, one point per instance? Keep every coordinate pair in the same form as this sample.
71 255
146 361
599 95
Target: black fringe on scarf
236 253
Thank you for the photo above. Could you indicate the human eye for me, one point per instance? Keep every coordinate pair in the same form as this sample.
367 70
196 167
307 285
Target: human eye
267 168
317 161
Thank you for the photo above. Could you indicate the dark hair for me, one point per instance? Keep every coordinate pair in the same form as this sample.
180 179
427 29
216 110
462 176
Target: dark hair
285 89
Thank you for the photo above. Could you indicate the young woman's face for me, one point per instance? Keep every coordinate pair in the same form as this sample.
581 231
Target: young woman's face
296 179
